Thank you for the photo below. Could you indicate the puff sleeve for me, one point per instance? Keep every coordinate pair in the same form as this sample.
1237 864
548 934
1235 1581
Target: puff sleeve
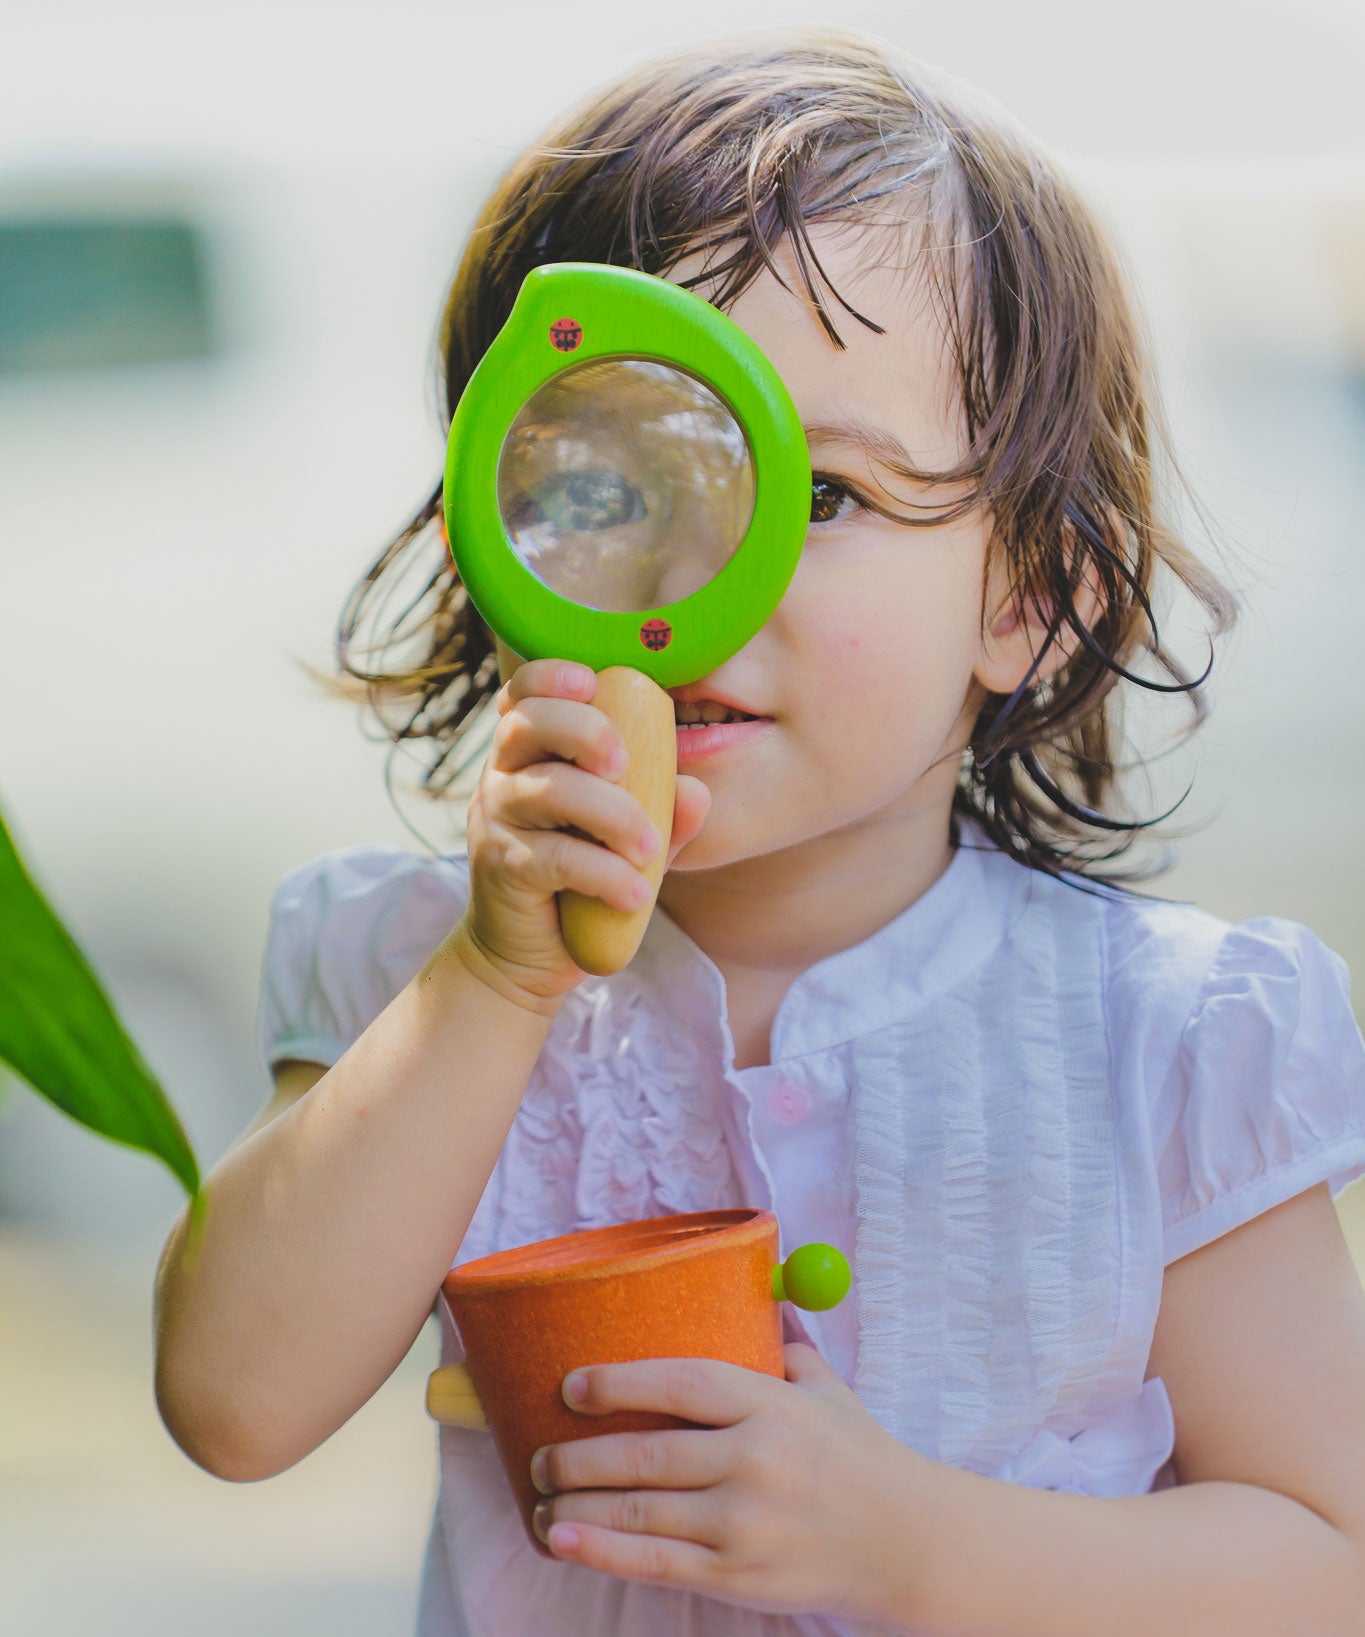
1266 1092
347 932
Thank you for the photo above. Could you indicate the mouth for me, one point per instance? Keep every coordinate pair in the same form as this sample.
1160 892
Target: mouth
703 713
702 704
706 728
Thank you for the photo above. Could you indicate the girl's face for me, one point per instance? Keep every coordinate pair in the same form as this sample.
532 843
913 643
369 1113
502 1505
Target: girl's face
869 669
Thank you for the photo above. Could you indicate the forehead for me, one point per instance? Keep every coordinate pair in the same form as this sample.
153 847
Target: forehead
901 381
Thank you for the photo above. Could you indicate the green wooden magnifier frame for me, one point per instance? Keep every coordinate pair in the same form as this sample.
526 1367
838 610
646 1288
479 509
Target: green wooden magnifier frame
567 314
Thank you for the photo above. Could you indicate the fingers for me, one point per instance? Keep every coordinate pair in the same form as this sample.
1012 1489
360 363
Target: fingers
551 779
553 795
536 727
546 676
649 1558
555 861
682 1459
556 760
705 1390
651 1484
690 1515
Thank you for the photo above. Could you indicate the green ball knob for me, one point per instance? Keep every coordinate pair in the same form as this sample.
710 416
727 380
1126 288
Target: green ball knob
814 1277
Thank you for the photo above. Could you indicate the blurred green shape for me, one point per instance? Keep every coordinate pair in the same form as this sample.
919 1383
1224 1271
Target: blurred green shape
59 1032
81 291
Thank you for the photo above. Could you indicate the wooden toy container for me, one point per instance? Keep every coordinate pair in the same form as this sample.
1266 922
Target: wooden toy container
693 1286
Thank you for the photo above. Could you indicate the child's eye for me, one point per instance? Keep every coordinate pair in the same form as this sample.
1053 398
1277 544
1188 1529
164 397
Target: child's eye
826 495
585 501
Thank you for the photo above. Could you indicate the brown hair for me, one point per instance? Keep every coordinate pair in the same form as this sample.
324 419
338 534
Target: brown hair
729 146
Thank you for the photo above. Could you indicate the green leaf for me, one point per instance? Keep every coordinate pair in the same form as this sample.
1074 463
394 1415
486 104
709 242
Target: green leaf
59 1031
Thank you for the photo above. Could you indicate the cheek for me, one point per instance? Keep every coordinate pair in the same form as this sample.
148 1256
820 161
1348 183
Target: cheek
858 679
859 650
842 648
884 630
873 672
845 656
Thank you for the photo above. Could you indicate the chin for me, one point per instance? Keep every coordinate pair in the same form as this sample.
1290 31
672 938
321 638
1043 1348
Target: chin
718 850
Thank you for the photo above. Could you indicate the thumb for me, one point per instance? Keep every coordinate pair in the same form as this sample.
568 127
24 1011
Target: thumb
806 1367
691 803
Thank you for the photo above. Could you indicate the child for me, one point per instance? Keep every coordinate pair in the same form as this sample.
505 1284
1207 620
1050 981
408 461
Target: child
1100 1368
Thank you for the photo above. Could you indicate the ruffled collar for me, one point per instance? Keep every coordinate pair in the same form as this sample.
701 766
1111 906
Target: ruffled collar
922 953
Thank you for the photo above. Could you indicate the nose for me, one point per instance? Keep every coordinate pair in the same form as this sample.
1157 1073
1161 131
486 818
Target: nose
689 562
681 572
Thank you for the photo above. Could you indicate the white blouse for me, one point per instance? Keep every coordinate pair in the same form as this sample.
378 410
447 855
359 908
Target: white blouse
1010 1108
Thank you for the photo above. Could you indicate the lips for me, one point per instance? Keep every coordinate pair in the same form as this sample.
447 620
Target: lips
707 713
698 702
707 740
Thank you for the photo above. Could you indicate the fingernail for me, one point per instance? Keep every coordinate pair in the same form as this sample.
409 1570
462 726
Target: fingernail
617 760
540 1471
575 677
641 891
649 842
575 1386
540 1521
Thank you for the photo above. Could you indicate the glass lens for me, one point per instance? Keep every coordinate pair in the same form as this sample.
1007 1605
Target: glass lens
625 484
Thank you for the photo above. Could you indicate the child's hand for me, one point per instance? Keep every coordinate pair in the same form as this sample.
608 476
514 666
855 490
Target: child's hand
790 1498
551 766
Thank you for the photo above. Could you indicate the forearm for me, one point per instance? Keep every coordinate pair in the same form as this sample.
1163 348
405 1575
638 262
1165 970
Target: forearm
1205 1560
329 1230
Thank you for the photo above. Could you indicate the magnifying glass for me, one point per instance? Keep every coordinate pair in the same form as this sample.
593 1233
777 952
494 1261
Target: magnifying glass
627 485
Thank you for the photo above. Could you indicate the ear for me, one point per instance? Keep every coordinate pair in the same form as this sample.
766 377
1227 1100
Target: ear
1010 643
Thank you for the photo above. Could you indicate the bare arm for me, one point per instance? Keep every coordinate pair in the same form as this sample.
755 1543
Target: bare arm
331 1224
1261 1343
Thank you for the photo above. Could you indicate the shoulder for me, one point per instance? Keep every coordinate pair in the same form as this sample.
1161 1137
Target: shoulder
1139 960
368 904
1156 955
1162 962
1234 1056
347 930
1239 1044
1182 983
1146 943
369 872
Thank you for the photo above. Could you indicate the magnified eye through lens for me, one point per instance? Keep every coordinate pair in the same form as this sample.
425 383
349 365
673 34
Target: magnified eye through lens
625 484
584 501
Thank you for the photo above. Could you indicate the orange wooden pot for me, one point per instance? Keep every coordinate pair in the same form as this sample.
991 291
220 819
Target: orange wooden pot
693 1286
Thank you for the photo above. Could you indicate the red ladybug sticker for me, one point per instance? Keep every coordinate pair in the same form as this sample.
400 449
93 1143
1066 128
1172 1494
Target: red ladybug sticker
656 634
565 334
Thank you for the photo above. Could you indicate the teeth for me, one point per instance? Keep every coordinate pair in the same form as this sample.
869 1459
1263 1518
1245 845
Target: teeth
706 711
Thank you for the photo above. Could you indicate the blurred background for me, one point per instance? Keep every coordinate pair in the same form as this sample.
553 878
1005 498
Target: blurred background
225 235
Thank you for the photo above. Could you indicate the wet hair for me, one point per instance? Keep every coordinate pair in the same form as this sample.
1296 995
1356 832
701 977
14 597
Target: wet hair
736 144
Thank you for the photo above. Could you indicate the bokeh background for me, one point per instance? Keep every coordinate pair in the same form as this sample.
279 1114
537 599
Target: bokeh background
225 234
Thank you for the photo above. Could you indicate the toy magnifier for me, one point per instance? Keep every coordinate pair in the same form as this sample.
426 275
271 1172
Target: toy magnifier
627 485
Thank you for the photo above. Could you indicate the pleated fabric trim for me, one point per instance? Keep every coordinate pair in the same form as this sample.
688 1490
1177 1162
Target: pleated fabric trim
990 1241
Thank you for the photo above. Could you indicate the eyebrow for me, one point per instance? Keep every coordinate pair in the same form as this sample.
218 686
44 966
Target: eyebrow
859 433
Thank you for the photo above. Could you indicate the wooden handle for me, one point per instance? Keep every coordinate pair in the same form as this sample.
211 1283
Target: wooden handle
600 937
451 1398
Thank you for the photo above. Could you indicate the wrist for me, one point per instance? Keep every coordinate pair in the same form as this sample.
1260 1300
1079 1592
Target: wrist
909 1543
464 945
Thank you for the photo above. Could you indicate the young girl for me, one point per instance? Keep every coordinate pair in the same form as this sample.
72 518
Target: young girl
1101 1367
